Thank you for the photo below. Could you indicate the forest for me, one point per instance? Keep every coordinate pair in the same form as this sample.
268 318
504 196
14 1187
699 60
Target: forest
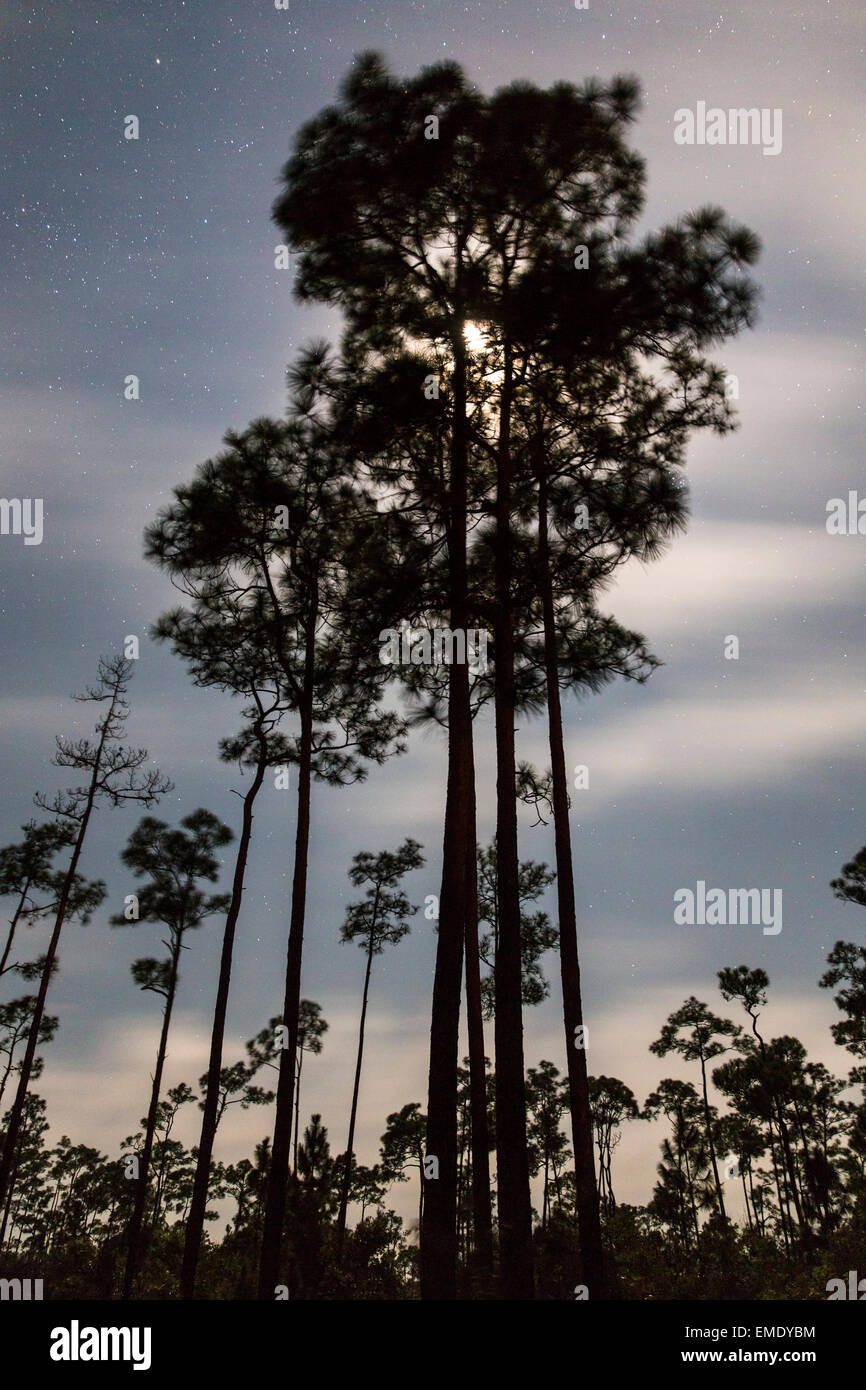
425 537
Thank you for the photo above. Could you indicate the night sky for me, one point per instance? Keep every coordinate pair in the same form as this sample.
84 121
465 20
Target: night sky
155 258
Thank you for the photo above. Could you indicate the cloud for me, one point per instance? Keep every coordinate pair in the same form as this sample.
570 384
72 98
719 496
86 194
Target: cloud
717 744
734 571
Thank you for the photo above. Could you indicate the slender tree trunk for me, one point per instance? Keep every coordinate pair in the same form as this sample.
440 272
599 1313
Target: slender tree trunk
712 1148
14 1121
482 1217
783 1189
557 1184
13 924
681 1193
611 1200
461 1205
809 1187
10 1064
784 1214
51 1224
137 1220
160 1178
350 1142
439 1236
5 1217
544 1200
746 1198
791 1173
588 1215
784 1146
512 1159
69 1191
297 1109
11 1187
278 1173
691 1189
201 1182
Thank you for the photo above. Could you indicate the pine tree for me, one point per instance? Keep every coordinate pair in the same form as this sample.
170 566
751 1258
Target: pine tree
113 773
172 862
27 875
698 1035
379 920
265 529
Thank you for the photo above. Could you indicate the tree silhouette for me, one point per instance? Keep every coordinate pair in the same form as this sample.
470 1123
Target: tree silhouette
113 773
379 256
226 639
27 1164
16 1019
612 1103
848 963
265 718
379 920
403 1146
172 1165
741 1136
311 1029
761 1080
478 227
696 1034
683 1163
267 526
851 886
547 1102
537 934
236 1088
25 870
172 862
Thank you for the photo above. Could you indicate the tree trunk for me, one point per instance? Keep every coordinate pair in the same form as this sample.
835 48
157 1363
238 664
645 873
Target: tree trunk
160 1178
791 1173
198 1203
9 1065
137 1219
512 1159
13 924
589 1220
439 1240
682 1143
10 1189
14 1122
759 1214
784 1213
297 1109
278 1173
544 1199
350 1142
482 1217
784 1145
746 1198
709 1128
